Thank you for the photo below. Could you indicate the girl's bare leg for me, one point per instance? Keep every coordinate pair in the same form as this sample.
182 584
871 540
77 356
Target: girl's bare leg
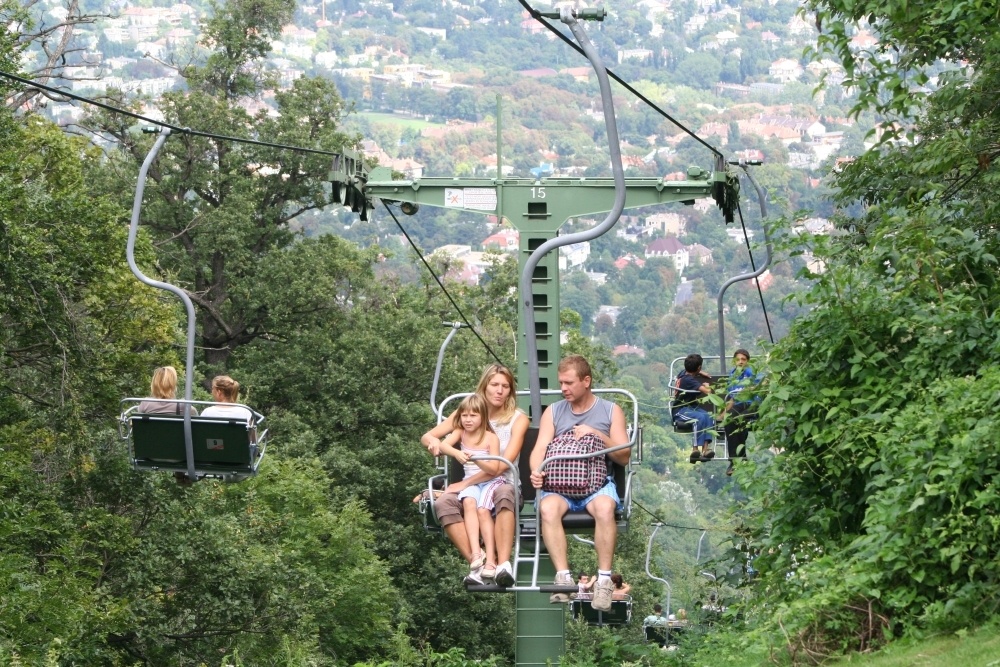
471 524
486 530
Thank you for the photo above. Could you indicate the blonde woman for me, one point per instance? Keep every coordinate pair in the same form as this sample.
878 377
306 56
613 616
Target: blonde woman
164 386
496 386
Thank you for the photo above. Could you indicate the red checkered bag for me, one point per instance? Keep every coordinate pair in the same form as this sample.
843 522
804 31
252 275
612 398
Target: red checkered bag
575 478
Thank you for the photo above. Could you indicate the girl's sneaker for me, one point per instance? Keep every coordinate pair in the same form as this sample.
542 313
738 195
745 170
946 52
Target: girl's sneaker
474 576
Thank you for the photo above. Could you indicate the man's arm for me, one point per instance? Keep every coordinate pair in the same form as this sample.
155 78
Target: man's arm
546 431
619 436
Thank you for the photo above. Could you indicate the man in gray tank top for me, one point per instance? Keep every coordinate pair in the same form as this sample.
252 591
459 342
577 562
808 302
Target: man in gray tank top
583 412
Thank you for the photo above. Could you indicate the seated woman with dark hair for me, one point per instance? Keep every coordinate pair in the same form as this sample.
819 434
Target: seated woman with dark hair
622 590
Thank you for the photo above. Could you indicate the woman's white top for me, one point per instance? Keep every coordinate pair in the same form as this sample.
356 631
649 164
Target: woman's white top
228 411
503 432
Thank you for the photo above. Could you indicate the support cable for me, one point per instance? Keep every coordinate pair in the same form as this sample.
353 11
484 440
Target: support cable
153 121
254 142
760 292
671 525
441 285
537 15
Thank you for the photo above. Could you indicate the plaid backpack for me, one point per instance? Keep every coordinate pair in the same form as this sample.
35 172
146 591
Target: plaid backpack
575 478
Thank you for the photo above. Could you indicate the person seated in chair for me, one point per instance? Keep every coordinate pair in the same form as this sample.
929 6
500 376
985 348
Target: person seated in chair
741 406
583 413
656 619
164 385
226 391
497 387
691 386
622 590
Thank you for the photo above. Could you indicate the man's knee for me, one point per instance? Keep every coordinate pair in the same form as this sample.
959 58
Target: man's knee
553 508
602 508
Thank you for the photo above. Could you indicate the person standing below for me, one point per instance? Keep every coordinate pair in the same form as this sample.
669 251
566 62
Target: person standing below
164 386
496 385
582 412
741 408
475 437
691 387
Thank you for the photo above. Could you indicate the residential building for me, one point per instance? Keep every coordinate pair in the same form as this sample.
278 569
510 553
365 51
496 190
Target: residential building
670 223
699 254
506 239
671 248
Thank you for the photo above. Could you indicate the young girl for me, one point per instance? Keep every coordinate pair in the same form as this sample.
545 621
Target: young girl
472 430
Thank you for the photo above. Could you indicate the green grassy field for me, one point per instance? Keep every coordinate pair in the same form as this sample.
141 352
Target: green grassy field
392 119
975 649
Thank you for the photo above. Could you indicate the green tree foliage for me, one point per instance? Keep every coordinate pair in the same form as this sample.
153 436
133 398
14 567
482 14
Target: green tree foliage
99 565
70 318
873 518
223 210
239 34
876 392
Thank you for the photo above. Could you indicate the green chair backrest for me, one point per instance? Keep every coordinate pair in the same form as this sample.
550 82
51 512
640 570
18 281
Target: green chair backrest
215 441
619 614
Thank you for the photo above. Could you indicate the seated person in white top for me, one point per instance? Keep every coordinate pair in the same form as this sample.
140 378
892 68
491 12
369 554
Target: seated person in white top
226 391
164 385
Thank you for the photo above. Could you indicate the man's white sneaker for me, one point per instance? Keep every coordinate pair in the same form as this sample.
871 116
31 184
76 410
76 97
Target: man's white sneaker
602 595
505 575
561 580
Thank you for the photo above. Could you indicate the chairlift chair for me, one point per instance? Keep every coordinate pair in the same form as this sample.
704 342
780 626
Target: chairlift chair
619 614
573 522
683 425
227 449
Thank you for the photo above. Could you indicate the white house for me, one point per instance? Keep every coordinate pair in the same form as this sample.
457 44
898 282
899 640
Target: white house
573 255
785 70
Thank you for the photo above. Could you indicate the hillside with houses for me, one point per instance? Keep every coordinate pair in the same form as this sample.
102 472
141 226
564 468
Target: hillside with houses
424 77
